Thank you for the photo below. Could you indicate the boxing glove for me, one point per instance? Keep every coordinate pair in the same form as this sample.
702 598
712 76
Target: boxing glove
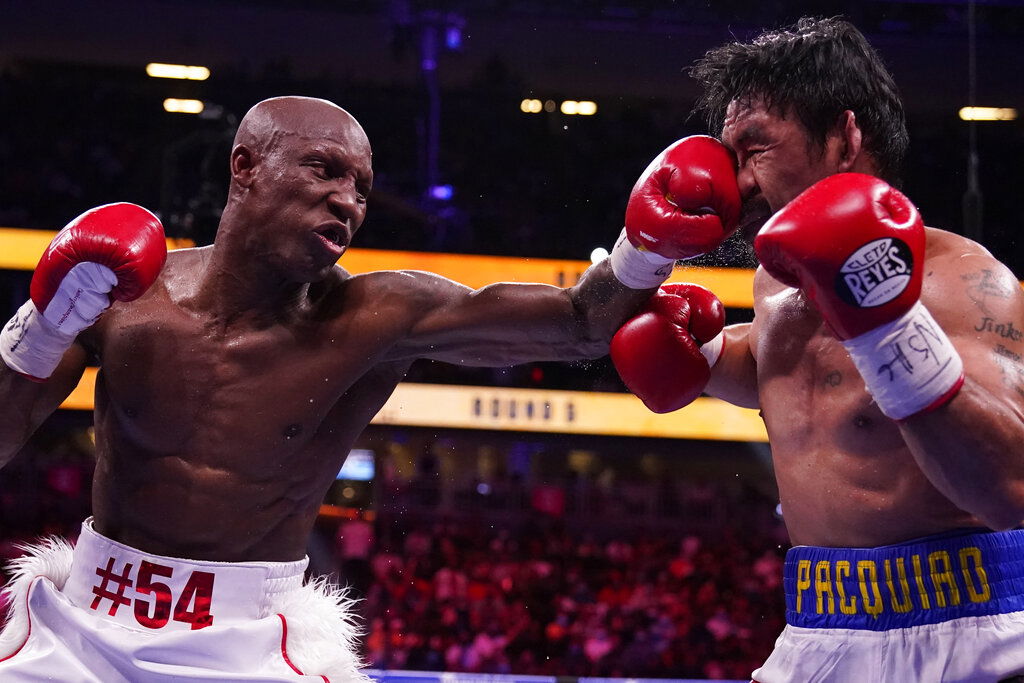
685 203
855 246
662 354
112 252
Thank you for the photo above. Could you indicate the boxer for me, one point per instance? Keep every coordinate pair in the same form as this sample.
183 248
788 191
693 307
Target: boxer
234 379
885 358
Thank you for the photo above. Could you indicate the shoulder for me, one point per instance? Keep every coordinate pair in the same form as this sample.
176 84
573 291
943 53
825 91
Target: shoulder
180 270
403 295
963 280
414 286
765 284
952 258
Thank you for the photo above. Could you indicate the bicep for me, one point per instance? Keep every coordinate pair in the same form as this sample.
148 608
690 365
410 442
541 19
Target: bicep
734 376
980 306
501 324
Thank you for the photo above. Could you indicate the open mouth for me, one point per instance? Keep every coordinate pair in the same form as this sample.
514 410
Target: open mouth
331 234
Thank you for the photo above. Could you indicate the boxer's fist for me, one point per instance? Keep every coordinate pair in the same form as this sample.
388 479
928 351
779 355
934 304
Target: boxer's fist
114 251
687 201
657 352
854 245
111 252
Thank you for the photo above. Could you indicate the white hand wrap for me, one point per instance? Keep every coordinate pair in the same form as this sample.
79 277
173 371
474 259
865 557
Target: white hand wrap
638 268
712 351
33 343
909 365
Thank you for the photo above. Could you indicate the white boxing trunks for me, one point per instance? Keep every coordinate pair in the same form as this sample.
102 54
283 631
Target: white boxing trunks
104 612
942 608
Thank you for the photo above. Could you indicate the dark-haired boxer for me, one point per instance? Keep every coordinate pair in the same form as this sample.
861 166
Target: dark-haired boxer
233 381
885 358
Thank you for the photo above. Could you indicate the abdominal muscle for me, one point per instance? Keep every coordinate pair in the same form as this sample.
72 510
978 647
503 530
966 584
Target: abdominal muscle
846 477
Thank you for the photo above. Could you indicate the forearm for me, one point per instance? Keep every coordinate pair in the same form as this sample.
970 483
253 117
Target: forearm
602 304
970 450
16 424
27 403
734 374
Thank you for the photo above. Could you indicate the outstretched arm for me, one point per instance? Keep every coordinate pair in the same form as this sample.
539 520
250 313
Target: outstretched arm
508 323
685 203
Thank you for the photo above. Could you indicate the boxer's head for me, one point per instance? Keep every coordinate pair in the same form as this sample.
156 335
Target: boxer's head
300 175
800 104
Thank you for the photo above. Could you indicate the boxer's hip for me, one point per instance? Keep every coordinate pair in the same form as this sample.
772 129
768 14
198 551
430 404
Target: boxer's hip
143 591
108 607
926 581
942 608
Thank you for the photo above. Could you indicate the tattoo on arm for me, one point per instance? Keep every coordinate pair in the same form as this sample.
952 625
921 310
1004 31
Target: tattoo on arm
833 379
983 285
1006 330
1011 368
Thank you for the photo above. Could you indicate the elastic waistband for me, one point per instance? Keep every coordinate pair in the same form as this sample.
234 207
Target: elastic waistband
144 591
925 581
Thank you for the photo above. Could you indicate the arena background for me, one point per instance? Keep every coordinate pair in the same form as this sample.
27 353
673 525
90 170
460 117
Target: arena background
527 521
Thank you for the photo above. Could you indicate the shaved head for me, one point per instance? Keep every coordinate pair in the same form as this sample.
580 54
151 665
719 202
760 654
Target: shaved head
268 122
301 171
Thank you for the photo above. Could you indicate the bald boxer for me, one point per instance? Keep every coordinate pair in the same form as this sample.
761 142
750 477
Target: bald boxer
885 358
233 382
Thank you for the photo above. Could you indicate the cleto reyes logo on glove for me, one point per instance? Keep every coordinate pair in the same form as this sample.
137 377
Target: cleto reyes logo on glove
876 273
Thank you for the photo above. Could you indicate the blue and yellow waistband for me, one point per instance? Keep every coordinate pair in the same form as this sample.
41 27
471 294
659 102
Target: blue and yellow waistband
926 581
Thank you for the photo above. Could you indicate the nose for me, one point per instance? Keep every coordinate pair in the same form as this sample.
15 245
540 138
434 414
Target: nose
344 203
746 181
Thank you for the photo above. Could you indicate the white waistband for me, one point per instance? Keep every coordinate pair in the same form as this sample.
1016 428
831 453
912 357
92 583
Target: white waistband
144 591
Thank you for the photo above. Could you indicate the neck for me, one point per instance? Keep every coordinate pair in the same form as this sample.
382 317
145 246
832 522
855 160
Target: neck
237 284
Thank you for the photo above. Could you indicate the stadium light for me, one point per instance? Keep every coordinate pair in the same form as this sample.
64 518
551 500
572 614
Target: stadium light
583 107
599 254
441 192
988 114
176 106
530 106
180 71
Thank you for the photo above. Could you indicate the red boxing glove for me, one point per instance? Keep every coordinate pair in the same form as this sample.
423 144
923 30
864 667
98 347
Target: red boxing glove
113 251
685 204
658 352
687 201
856 247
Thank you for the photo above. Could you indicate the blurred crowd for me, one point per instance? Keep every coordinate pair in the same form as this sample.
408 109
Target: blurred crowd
537 599
488 587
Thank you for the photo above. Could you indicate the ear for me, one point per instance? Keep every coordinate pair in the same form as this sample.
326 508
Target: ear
848 139
243 165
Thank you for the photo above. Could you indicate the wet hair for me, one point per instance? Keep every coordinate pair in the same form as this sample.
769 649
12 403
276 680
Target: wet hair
815 70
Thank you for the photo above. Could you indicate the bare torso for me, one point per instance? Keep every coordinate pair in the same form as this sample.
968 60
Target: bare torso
845 474
218 440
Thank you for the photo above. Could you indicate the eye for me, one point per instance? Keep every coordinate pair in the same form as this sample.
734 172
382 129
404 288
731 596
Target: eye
319 168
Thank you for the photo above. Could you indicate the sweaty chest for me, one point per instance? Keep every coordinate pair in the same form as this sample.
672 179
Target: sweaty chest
174 381
812 396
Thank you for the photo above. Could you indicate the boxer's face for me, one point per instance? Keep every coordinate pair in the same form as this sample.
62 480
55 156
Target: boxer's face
315 183
777 160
